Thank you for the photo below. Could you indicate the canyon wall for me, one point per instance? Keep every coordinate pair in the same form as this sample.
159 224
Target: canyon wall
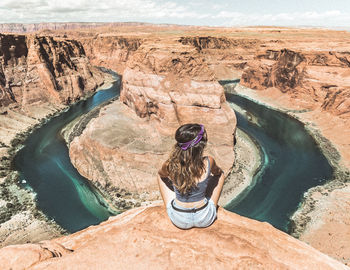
38 76
226 56
318 79
44 69
110 50
168 81
144 238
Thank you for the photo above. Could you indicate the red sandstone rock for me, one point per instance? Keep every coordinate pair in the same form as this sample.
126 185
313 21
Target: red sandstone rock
119 149
328 229
319 78
44 69
325 68
110 50
144 238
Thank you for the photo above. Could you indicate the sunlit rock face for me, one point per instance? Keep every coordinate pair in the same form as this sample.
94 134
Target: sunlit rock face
165 84
144 238
318 78
171 84
44 69
110 50
38 76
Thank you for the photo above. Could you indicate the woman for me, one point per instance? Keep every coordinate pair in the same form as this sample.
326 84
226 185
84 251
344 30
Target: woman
190 184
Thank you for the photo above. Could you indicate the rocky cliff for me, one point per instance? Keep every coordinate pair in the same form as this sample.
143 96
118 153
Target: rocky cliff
319 78
226 56
39 75
44 69
144 238
165 84
294 70
110 50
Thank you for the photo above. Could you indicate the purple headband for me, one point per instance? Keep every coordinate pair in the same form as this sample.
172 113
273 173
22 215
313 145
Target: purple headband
186 145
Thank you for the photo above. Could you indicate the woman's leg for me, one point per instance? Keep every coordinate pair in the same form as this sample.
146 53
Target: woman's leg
167 194
217 190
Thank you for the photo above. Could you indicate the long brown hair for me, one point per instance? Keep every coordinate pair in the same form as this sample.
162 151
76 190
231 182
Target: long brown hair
186 166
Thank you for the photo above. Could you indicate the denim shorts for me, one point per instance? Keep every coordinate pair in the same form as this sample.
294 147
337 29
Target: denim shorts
186 220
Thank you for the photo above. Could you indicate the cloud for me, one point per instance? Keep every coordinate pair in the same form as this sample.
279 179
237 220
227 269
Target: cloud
157 11
312 18
89 10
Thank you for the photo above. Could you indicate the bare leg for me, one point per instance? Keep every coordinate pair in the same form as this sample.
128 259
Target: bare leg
217 190
165 191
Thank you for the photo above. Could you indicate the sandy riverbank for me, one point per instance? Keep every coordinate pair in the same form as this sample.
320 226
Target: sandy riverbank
247 162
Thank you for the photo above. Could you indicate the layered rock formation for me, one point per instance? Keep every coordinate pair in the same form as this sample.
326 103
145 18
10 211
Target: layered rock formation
144 238
110 50
44 69
328 229
166 85
226 56
294 69
39 75
320 79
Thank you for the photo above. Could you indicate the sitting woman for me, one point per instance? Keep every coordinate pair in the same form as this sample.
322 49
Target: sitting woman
190 184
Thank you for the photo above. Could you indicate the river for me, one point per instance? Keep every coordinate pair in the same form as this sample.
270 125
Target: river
292 164
45 168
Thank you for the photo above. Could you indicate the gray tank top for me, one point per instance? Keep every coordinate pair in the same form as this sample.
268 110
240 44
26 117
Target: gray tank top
197 193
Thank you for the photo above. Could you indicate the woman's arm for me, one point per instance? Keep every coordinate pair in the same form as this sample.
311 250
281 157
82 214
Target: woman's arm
217 182
164 184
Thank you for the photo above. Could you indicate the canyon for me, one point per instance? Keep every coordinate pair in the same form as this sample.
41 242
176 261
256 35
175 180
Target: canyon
170 76
39 77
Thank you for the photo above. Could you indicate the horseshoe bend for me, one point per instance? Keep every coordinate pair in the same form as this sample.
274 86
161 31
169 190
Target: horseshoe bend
171 75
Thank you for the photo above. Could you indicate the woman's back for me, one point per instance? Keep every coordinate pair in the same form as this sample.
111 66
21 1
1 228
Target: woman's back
198 192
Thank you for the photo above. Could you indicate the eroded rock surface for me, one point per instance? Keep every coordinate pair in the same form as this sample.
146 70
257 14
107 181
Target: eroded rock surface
319 78
110 51
39 75
144 238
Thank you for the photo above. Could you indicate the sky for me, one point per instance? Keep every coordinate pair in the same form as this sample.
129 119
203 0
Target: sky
322 13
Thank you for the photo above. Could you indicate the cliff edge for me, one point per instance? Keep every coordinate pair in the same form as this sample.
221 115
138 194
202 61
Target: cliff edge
144 238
